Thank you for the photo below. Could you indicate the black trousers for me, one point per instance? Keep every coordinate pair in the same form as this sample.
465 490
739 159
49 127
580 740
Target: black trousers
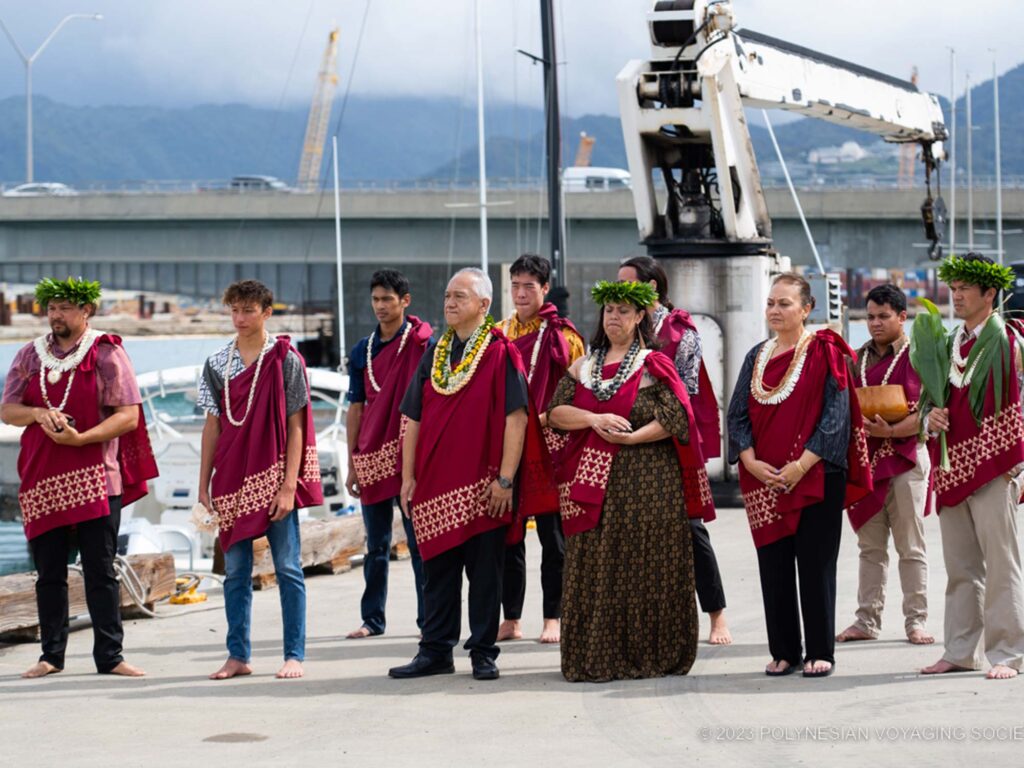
97 543
705 569
811 553
552 542
483 558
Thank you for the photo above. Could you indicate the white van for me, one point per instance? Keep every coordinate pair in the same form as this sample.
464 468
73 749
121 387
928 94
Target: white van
595 179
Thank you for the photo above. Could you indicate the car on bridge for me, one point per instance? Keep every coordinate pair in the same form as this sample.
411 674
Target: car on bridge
41 189
257 183
587 179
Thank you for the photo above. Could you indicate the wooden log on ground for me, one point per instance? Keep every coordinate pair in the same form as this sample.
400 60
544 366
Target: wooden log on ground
399 545
18 615
326 543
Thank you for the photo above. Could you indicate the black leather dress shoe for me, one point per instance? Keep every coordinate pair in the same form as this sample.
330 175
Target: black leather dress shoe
422 666
483 667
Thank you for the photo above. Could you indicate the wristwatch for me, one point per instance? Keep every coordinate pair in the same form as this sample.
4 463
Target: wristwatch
504 482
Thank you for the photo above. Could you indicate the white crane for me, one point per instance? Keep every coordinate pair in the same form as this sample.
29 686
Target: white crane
682 118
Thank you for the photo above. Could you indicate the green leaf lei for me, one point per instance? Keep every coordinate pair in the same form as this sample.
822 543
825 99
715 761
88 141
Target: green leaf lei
78 292
638 294
973 272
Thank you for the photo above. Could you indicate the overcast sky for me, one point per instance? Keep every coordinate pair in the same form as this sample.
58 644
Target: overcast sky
266 52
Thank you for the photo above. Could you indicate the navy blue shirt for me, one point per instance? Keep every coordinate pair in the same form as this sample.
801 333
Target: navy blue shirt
357 362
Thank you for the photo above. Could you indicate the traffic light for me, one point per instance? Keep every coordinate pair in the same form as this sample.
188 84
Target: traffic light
828 298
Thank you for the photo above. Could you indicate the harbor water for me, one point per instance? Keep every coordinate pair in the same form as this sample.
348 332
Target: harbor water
14 554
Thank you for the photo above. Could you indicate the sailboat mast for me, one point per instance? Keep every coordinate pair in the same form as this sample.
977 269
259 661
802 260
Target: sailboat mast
481 144
556 220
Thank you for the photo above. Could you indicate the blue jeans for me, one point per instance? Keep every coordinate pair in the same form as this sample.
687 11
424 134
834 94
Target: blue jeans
285 549
378 519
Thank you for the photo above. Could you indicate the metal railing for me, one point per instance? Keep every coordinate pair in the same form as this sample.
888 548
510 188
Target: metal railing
532 185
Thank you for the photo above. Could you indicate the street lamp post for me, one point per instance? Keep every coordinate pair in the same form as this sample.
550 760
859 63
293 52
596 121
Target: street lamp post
28 61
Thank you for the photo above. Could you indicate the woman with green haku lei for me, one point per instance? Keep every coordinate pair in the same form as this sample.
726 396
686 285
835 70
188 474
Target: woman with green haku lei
629 476
973 399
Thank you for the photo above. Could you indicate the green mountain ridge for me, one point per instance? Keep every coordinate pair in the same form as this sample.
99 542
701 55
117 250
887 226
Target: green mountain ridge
394 140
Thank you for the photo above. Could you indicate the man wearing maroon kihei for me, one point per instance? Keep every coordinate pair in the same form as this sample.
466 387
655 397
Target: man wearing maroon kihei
899 470
549 344
977 496
258 467
470 423
380 368
84 453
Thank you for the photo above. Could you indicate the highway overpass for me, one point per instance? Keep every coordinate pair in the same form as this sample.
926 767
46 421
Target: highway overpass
194 244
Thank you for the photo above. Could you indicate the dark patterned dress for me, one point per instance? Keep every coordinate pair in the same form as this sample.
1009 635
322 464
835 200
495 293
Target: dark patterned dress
628 605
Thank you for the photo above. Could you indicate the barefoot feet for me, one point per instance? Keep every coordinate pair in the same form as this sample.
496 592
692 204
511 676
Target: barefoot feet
232 668
853 634
720 634
363 631
817 668
942 667
40 669
510 629
124 669
552 632
292 669
1001 672
920 637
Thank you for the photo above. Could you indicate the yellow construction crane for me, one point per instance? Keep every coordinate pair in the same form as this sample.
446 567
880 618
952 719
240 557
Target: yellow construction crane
319 116
585 150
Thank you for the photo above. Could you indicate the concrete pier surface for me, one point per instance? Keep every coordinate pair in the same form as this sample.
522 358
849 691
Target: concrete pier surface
874 711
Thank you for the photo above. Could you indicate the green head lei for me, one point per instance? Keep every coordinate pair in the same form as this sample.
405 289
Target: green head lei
79 292
640 295
983 274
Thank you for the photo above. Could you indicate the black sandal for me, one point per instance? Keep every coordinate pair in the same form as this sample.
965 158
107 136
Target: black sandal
789 670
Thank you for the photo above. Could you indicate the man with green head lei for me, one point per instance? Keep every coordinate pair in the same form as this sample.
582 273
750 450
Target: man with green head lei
84 453
977 496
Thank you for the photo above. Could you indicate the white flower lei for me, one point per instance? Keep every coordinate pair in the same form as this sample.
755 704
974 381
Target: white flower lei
959 377
888 373
369 354
536 351
252 388
51 367
789 380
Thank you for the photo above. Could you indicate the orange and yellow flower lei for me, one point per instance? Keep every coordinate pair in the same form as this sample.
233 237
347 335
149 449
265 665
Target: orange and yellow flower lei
447 380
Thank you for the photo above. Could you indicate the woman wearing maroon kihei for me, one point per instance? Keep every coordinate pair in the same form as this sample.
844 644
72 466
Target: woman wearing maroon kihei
628 477
800 438
681 343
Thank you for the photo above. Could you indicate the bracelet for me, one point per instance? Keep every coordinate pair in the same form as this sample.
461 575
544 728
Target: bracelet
800 467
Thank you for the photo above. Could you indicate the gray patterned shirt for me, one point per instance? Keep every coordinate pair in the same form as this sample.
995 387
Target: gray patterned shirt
688 354
211 385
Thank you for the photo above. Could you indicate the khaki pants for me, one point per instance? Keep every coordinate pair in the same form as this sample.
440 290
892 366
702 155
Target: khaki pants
985 592
903 515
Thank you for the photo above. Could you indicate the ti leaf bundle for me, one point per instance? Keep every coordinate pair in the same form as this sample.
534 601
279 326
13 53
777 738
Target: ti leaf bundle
929 355
991 357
